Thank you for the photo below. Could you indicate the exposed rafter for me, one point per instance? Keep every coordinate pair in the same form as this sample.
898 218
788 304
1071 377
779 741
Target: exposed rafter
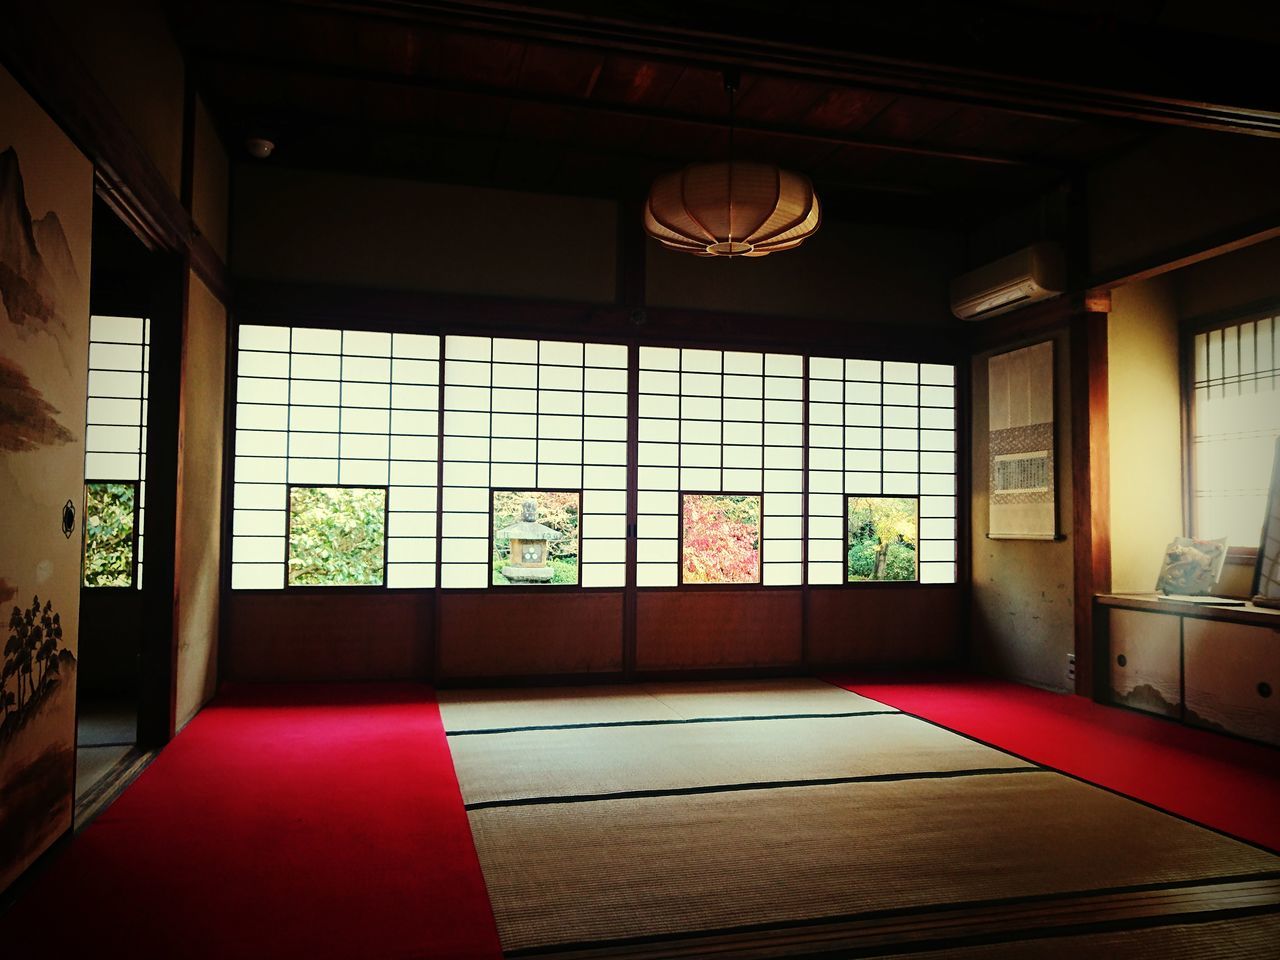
979 53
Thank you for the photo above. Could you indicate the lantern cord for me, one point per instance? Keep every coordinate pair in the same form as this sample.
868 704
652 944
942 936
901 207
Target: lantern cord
730 86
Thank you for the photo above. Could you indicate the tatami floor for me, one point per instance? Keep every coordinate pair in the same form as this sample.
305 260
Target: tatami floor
106 733
791 817
752 819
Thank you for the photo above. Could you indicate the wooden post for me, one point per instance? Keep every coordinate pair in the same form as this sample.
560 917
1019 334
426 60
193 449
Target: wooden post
1091 491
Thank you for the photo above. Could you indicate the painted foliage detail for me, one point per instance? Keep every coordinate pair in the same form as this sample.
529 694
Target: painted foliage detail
36 668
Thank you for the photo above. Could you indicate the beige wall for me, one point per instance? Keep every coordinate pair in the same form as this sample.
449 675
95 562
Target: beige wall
209 192
200 500
127 47
1022 622
1146 430
1176 189
852 272
304 226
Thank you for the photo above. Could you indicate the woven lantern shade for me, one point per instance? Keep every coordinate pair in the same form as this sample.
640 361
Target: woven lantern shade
731 209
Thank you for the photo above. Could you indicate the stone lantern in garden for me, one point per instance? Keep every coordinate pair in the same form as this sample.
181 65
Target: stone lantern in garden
530 547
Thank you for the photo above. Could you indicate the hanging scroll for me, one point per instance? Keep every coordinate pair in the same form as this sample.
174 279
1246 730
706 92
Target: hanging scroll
1020 460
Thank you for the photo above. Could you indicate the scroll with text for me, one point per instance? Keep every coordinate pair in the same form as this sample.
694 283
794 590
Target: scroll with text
1020 458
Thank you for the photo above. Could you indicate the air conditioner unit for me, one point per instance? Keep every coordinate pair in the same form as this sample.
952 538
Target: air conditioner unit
1034 273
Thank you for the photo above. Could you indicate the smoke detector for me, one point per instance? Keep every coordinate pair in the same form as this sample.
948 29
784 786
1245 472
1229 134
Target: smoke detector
259 147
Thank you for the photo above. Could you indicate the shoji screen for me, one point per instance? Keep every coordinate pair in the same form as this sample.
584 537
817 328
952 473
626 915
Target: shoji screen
715 421
881 429
318 407
116 416
526 415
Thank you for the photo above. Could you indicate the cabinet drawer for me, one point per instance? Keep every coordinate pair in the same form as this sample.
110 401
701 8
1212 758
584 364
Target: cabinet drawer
1146 661
1233 678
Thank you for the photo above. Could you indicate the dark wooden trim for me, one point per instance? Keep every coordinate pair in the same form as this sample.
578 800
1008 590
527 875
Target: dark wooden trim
284 67
1039 320
351 307
228 493
805 593
1091 487
1148 603
208 266
1186 427
991 68
630 595
1254 310
158 680
32 47
125 176
186 189
964 503
1185 254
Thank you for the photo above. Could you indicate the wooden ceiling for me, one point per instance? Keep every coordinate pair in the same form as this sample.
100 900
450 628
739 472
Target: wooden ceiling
957 109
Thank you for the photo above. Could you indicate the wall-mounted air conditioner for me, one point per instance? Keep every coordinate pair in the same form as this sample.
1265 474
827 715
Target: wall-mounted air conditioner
1034 273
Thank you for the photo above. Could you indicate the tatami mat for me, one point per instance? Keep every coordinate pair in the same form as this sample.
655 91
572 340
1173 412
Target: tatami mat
609 869
618 703
601 760
1216 940
759 698
549 706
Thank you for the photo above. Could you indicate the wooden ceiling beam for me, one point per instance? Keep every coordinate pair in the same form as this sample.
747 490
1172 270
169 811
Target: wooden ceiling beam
982 53
205 55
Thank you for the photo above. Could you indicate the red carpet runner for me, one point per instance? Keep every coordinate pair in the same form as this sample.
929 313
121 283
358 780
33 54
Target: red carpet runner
1227 784
283 822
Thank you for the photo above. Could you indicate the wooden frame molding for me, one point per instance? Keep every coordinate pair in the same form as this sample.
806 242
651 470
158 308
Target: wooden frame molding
1090 490
1138 85
125 177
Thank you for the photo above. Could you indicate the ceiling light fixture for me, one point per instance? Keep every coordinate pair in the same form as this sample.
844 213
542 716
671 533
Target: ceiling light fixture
732 208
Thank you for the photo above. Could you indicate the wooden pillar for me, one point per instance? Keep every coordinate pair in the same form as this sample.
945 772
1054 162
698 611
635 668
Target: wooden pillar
1091 487
159 583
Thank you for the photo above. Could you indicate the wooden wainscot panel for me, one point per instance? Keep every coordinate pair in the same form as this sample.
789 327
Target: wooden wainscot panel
1233 678
703 629
1146 661
298 635
889 626
492 634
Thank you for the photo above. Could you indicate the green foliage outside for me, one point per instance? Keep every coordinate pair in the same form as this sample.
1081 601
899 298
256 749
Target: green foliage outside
336 536
882 538
108 534
557 510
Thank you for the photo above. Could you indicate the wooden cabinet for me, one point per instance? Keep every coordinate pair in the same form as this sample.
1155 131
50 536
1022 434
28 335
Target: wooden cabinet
1232 677
1146 661
1213 667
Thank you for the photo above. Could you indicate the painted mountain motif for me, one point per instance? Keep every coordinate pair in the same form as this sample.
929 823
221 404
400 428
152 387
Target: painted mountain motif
36 268
27 419
37 279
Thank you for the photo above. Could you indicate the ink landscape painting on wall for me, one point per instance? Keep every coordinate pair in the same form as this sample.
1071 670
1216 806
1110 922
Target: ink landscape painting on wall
46 196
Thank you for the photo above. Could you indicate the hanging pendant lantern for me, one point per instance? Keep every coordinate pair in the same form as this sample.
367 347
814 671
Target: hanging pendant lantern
732 209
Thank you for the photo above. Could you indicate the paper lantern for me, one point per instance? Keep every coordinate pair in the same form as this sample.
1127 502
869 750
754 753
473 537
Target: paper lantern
731 209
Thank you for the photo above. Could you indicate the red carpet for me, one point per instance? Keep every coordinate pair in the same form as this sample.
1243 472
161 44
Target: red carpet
1227 784
283 822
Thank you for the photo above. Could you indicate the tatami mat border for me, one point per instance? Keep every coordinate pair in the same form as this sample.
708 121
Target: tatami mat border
478 731
701 940
754 785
